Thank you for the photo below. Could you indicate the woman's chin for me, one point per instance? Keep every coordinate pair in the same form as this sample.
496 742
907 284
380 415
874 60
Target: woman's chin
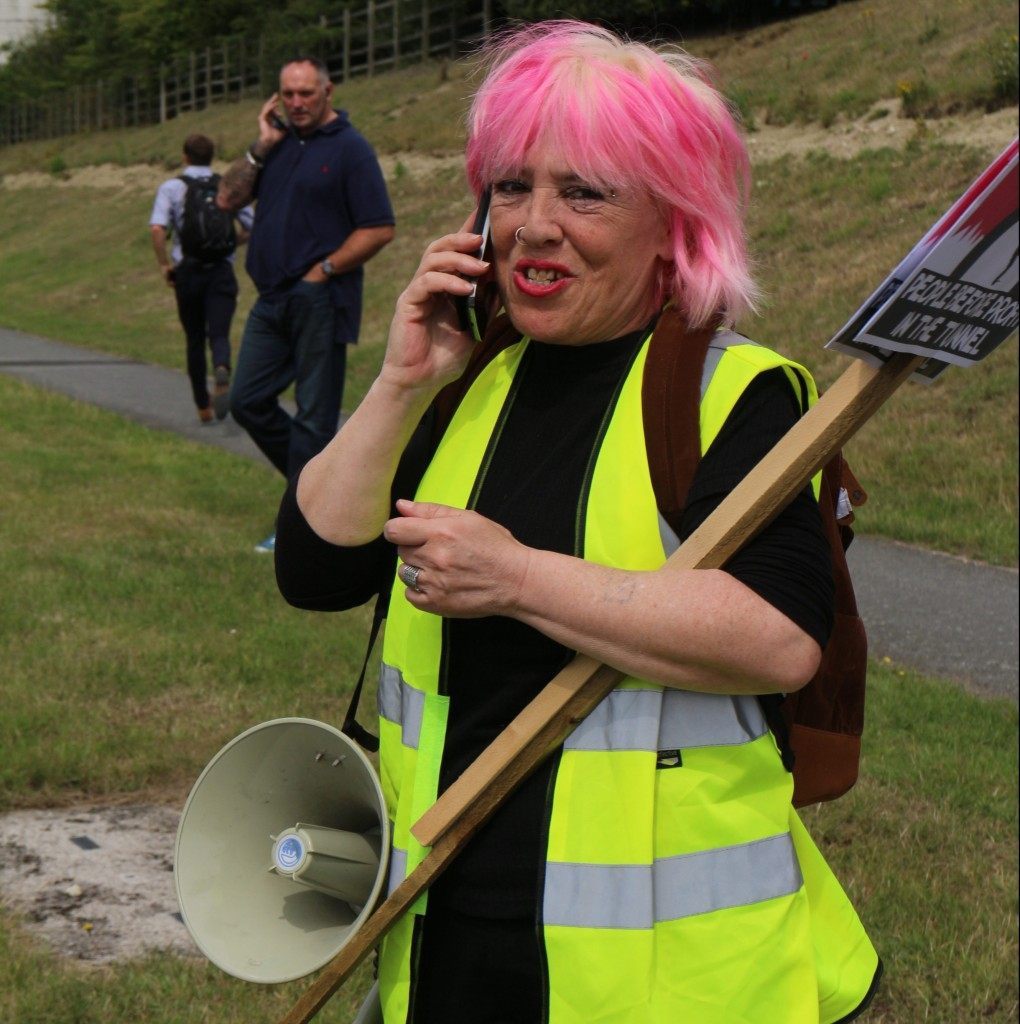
542 324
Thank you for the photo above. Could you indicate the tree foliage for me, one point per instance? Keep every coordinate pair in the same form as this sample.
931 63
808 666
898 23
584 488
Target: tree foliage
655 17
88 40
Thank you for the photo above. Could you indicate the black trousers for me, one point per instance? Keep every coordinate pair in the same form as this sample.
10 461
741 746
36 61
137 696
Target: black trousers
474 970
206 300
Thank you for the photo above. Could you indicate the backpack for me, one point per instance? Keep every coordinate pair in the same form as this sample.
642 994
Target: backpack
207 233
817 729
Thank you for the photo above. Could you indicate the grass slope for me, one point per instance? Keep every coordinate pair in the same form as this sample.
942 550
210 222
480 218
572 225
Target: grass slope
938 56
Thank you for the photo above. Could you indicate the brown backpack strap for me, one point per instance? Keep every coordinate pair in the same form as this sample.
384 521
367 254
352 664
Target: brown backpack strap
671 402
499 335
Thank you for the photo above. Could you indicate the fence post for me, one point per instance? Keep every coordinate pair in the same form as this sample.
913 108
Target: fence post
99 105
396 34
370 12
453 31
193 80
486 18
347 43
208 77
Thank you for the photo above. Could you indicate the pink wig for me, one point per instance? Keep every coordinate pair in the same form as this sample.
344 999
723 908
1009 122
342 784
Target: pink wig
622 113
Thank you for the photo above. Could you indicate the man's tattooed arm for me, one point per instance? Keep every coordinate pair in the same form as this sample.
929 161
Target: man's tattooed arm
237 186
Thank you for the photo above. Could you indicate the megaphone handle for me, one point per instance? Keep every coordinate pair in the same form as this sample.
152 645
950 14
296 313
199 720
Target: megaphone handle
572 694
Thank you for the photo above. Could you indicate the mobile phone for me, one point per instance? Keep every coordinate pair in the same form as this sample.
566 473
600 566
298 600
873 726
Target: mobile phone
470 309
277 122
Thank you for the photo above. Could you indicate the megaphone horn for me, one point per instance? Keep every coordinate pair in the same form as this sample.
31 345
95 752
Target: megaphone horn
281 850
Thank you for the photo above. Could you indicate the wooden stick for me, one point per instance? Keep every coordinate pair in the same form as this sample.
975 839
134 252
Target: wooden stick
574 692
759 497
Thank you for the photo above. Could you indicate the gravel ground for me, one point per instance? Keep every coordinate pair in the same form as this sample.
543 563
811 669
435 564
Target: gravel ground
96 884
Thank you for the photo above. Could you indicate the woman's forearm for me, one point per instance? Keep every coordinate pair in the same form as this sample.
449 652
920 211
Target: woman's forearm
692 629
344 492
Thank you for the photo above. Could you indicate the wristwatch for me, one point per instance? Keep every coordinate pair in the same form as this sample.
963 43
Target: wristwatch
327 267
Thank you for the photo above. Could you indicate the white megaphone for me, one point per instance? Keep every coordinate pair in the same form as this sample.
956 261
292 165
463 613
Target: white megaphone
282 850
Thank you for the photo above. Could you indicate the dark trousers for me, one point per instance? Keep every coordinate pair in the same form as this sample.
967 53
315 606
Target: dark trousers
206 300
290 341
473 970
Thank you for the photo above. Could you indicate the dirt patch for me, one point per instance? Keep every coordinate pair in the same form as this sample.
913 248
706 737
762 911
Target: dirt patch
881 127
147 178
95 884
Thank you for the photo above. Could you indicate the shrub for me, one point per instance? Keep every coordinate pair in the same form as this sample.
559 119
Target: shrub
917 95
1005 69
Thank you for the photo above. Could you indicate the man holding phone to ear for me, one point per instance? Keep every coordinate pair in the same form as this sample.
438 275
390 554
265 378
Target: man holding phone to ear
322 212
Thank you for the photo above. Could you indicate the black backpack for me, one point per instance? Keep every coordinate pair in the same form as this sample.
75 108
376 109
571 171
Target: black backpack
207 233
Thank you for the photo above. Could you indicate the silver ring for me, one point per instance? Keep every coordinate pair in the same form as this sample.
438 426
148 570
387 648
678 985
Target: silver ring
409 576
517 236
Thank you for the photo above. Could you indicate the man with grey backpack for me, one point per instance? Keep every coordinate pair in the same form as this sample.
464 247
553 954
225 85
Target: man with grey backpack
199 267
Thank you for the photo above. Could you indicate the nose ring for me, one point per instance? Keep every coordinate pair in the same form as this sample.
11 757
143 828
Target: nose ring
518 236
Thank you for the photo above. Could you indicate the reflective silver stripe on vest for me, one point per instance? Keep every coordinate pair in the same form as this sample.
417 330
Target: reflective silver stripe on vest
654 719
398 868
720 342
641 896
401 704
670 541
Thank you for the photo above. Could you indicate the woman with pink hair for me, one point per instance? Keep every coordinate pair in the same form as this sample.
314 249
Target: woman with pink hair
653 869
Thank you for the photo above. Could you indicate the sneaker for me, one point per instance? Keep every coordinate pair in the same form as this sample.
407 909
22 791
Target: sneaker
221 392
268 546
206 414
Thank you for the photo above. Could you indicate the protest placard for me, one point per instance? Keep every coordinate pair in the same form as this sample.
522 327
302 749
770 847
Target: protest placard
954 298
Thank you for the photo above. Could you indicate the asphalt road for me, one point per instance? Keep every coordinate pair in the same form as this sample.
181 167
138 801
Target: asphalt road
942 615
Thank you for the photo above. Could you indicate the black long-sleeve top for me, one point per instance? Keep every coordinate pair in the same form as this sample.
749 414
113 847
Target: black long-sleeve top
496 665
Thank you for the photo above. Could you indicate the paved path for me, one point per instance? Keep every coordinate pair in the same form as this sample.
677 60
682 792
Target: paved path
941 615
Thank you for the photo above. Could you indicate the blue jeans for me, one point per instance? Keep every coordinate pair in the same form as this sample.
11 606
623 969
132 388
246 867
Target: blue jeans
290 340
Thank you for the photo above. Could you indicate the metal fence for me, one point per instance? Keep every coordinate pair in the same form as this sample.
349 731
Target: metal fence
381 36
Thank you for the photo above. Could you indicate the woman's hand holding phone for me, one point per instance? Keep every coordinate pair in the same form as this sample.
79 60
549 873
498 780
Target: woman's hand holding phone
427 348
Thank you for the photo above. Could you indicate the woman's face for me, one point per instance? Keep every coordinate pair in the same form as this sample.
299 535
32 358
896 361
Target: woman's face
587 266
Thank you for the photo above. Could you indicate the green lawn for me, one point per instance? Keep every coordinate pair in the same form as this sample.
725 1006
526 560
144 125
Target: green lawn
140 608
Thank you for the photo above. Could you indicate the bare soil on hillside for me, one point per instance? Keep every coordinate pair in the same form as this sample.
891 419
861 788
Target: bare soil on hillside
882 127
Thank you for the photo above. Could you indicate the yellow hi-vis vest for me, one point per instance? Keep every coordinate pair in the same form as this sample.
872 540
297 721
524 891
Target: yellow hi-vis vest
690 893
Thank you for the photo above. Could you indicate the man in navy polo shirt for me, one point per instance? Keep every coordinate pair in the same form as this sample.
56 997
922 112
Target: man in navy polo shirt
322 213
